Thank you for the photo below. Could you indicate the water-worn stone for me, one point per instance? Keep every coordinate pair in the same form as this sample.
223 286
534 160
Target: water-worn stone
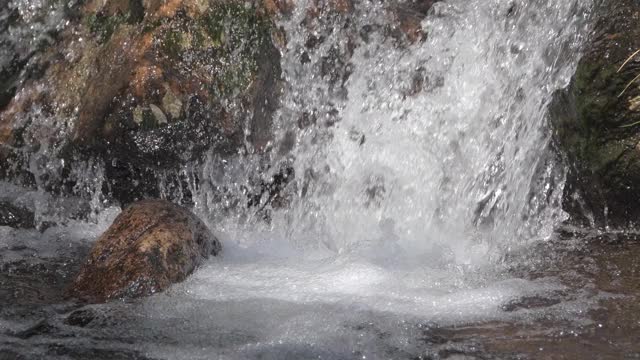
151 245
596 119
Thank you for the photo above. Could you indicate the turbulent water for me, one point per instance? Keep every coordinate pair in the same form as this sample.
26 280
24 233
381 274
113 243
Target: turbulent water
423 173
440 149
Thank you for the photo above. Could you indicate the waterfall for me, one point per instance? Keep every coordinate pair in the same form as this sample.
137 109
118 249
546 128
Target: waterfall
439 150
407 162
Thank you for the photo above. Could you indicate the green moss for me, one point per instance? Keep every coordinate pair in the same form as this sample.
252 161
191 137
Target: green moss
233 24
598 87
103 26
240 34
606 155
586 134
172 43
151 25
148 120
228 39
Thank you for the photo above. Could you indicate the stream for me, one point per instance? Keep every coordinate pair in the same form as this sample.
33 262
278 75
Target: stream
424 220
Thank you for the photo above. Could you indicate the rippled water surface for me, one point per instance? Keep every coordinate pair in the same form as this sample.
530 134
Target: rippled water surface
568 298
424 221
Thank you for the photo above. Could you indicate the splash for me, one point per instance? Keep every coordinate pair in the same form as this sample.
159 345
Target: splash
406 172
438 151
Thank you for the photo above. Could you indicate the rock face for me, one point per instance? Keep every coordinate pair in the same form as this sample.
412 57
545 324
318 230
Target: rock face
596 119
147 86
141 89
151 245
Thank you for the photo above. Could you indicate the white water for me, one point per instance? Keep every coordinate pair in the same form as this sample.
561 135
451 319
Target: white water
422 249
410 200
448 180
461 171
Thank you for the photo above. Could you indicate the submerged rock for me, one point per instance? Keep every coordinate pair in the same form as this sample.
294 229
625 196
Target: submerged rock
597 119
151 245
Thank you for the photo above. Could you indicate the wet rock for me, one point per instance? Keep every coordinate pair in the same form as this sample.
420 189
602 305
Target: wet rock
151 245
81 351
42 327
81 317
27 285
596 119
15 216
11 355
409 16
148 86
272 192
530 302
398 23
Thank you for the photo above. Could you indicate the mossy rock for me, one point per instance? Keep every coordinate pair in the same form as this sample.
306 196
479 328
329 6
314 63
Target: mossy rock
592 118
154 84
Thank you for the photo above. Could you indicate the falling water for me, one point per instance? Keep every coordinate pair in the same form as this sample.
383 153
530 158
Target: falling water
438 150
417 169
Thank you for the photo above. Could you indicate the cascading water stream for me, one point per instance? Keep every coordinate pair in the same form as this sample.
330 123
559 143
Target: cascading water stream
423 163
418 168
438 149
461 163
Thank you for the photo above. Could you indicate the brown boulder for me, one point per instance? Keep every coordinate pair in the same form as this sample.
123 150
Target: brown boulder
151 245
